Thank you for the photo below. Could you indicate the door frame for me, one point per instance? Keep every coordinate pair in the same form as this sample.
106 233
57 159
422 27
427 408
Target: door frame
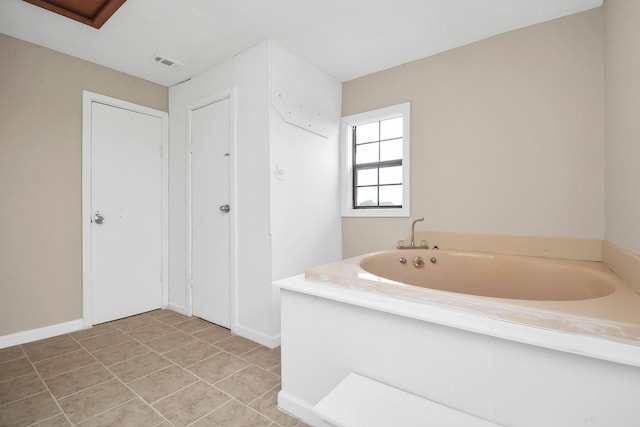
230 94
87 99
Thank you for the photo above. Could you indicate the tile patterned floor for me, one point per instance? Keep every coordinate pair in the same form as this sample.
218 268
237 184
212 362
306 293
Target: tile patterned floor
156 369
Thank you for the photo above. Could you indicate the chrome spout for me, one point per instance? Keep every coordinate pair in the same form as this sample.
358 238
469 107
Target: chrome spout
412 244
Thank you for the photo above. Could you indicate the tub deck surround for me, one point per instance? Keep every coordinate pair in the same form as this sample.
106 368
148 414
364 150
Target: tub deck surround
625 264
522 363
605 327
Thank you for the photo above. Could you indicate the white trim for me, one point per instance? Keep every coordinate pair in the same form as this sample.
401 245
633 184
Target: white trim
231 95
346 168
382 405
87 99
302 409
271 341
40 333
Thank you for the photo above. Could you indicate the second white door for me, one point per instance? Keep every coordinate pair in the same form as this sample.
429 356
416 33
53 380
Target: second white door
210 211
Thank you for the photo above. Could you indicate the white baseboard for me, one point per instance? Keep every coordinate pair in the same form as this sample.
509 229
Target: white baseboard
24 337
299 408
259 337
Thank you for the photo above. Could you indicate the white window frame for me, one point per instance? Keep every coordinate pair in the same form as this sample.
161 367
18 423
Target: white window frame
346 148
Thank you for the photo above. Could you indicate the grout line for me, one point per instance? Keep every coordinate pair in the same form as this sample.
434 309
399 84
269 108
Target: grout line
105 411
136 395
50 418
119 361
104 331
17 358
71 370
210 412
172 393
16 377
207 342
84 389
46 386
206 358
57 355
263 394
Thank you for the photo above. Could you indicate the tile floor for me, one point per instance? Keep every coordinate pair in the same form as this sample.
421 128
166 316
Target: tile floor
155 369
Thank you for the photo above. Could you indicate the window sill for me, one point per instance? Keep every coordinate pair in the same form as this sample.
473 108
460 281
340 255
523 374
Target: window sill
403 212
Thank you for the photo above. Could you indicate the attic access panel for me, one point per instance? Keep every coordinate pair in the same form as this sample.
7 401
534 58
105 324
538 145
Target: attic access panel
90 12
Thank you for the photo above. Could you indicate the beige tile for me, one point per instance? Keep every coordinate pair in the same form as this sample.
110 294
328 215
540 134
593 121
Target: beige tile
94 331
193 402
218 367
95 400
76 380
249 383
267 404
57 421
237 345
61 364
266 358
19 387
151 331
192 325
51 347
29 410
15 368
11 353
134 413
233 414
139 366
191 353
104 341
162 383
213 334
169 317
169 342
132 323
276 370
120 353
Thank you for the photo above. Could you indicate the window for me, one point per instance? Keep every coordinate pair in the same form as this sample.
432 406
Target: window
375 163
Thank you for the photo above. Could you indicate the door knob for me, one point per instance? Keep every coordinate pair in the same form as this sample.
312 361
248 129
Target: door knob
97 218
225 208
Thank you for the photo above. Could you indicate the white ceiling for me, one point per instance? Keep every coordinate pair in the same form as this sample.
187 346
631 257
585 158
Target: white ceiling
346 38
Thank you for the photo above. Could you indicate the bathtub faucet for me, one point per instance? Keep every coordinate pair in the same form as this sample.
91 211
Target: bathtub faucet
412 244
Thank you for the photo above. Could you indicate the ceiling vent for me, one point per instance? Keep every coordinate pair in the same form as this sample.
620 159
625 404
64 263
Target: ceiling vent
168 62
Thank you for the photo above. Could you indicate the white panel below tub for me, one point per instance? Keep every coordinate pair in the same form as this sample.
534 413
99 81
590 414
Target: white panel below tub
500 380
360 401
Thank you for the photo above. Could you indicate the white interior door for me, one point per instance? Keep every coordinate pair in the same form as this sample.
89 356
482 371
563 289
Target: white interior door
126 251
210 218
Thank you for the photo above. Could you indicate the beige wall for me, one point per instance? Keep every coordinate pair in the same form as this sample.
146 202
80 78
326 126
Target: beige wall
622 118
40 178
506 133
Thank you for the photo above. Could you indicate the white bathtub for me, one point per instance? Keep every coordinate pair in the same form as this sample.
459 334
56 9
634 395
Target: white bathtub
518 341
